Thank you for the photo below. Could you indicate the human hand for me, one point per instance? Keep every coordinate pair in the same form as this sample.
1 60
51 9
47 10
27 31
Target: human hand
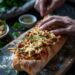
47 6
67 24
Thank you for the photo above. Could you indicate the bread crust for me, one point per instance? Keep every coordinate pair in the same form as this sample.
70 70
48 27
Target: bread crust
34 66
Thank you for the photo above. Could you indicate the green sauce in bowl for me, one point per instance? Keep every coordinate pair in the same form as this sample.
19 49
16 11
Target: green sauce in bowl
27 20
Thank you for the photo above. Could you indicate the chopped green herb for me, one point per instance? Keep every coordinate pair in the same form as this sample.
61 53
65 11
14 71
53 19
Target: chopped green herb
36 37
16 26
21 50
15 34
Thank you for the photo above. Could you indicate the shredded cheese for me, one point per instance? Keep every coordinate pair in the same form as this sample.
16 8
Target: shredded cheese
36 42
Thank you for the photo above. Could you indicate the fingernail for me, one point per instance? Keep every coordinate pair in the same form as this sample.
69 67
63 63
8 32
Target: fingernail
41 27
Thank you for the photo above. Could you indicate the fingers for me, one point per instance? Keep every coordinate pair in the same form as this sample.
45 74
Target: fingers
46 6
45 20
36 6
66 25
67 31
59 31
40 6
54 5
51 7
48 24
49 18
52 21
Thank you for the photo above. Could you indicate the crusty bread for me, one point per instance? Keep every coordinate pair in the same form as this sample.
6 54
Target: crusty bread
34 66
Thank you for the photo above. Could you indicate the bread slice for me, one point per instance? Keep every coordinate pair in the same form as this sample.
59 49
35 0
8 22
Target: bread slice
34 66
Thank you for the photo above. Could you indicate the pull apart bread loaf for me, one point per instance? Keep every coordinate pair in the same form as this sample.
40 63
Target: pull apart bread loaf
36 49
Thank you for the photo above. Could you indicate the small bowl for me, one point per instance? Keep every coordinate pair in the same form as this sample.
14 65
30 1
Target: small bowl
6 32
27 20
